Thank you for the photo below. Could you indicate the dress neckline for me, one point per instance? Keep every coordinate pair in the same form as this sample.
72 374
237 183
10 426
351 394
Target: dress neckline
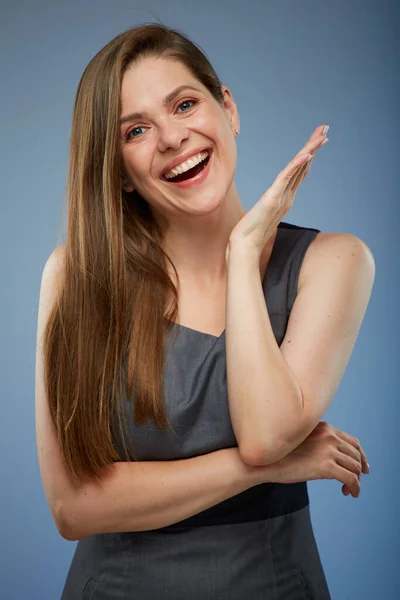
219 337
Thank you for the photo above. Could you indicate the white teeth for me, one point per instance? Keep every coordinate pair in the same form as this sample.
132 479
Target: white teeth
185 166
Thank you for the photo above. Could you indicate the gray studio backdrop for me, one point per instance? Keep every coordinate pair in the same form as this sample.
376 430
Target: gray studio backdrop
290 66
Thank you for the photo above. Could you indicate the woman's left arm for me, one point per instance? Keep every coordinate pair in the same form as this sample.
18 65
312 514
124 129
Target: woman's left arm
277 395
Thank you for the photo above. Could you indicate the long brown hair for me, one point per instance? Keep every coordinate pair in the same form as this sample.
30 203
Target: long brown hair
111 308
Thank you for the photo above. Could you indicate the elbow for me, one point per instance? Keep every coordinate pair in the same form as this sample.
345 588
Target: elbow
67 534
276 447
67 522
257 456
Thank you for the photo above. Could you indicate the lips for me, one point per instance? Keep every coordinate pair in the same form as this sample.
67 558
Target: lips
182 159
195 180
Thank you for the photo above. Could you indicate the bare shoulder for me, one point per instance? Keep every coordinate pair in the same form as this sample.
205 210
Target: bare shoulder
56 261
52 278
328 248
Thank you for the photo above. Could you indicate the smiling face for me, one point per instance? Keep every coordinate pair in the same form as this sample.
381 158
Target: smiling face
191 120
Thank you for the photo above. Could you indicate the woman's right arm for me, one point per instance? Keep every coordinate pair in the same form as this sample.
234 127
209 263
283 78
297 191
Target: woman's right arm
139 496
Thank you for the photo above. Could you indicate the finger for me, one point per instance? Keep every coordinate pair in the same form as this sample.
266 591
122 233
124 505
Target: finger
349 463
364 462
302 174
317 131
316 139
284 179
356 444
350 450
345 490
285 176
293 176
348 478
313 144
320 130
298 178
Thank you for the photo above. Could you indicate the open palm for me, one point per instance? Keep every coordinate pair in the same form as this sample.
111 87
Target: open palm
256 227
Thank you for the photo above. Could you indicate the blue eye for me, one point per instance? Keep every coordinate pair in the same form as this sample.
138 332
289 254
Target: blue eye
128 134
186 101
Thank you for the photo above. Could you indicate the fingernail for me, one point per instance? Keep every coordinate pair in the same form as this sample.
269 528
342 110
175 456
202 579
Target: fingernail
368 466
325 130
325 141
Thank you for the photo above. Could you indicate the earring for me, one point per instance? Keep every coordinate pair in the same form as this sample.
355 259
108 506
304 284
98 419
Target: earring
237 132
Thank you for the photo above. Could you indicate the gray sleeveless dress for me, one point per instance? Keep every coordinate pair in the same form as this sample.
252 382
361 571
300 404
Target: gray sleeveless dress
257 545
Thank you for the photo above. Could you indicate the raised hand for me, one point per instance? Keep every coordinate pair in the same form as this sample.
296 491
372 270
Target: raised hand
256 227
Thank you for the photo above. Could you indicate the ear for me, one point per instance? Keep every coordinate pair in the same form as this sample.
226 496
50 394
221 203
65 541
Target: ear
231 109
126 186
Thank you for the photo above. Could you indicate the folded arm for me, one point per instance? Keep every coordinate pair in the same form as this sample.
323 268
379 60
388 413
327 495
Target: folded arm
277 395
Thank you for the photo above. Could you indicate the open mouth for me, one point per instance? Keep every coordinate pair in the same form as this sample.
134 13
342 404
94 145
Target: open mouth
191 173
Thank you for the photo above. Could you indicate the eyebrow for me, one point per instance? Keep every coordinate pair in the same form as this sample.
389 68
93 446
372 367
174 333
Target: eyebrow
167 100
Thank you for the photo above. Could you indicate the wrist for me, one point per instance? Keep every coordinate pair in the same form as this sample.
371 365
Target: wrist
241 258
239 246
241 253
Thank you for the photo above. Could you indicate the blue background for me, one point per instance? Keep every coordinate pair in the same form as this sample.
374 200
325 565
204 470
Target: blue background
291 66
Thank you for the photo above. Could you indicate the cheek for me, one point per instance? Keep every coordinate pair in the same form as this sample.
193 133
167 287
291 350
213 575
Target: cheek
133 164
224 138
210 123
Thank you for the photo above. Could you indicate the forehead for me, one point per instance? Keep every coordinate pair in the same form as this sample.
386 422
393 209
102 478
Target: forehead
147 83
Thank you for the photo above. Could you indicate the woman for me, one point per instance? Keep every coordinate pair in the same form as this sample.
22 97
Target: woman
180 462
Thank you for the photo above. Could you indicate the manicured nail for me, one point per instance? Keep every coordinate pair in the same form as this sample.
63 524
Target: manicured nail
325 130
325 141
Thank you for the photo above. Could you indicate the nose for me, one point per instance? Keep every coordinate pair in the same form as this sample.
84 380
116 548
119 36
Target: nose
172 136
